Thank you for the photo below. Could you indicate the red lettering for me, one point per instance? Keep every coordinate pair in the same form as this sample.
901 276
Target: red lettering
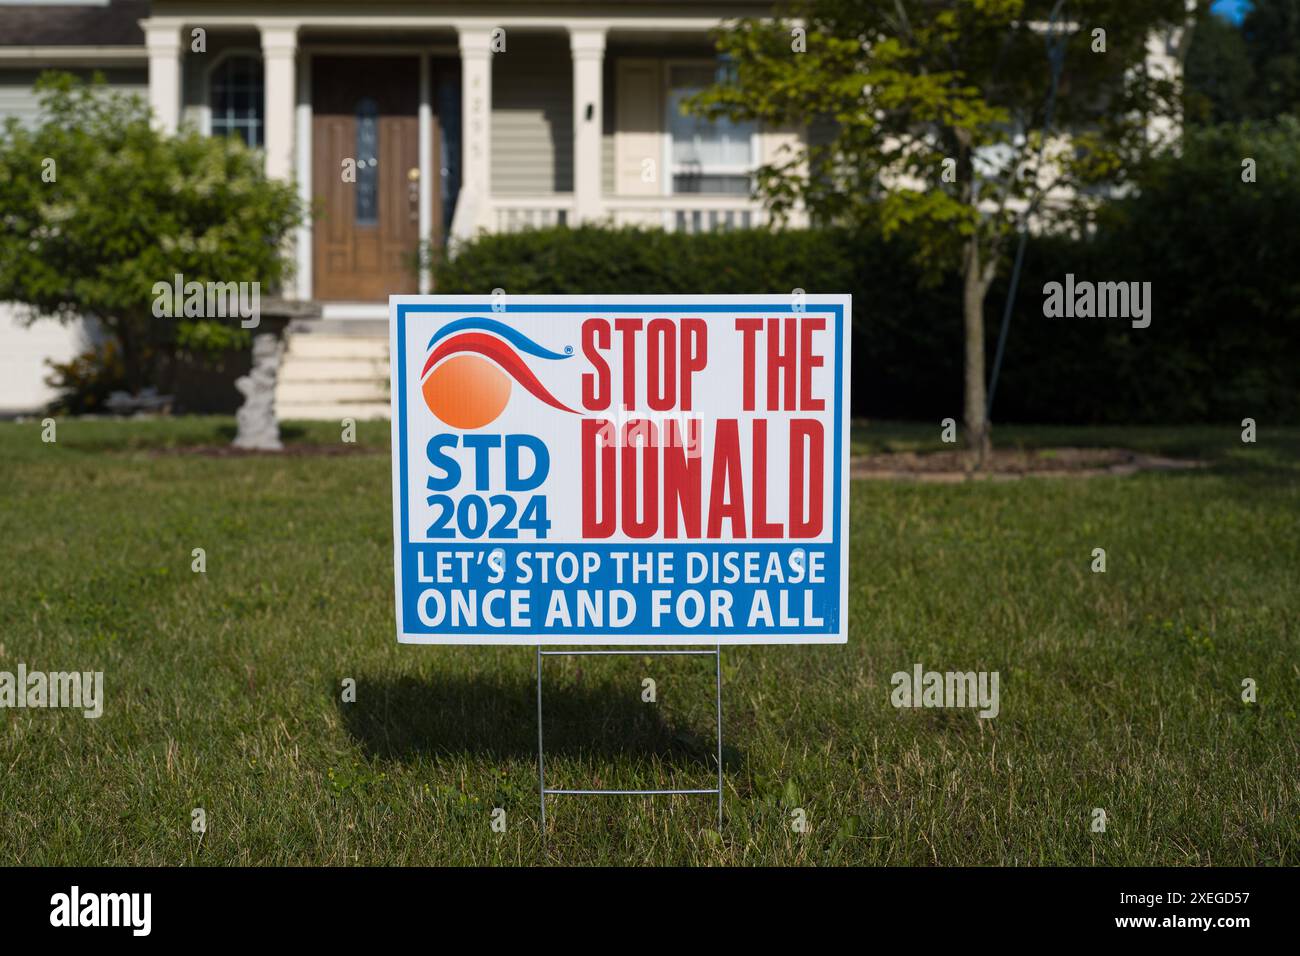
682 461
762 527
809 431
727 497
780 364
595 388
629 328
648 497
748 329
695 355
661 359
596 486
807 362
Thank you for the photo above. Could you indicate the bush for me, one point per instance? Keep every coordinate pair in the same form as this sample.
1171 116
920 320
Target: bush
1220 254
85 381
901 329
98 206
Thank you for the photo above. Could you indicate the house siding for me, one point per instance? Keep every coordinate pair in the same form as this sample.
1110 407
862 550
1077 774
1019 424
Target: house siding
24 354
532 117
18 99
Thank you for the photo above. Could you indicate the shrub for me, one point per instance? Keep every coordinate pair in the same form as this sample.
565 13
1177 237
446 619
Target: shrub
901 328
1220 254
98 206
85 381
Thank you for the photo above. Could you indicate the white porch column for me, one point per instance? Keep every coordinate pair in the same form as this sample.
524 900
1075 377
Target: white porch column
426 166
163 43
302 150
472 211
279 48
588 47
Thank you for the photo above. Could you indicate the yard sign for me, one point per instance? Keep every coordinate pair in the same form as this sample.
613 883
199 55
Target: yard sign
620 469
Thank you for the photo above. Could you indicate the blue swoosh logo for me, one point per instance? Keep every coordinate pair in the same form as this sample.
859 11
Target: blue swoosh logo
507 332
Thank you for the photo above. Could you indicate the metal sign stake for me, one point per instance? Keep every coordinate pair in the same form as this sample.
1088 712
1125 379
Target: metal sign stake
544 791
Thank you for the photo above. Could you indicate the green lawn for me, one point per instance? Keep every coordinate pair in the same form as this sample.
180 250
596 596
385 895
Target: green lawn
1119 690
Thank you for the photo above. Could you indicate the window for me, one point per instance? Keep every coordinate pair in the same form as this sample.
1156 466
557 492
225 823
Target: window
367 212
708 156
237 99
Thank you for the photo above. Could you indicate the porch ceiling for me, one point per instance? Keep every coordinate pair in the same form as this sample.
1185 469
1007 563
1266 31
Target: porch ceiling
504 9
662 19
167 6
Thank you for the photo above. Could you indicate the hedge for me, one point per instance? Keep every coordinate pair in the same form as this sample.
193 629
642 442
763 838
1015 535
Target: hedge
1222 345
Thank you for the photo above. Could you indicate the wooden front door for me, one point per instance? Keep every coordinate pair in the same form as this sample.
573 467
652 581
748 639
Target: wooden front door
365 111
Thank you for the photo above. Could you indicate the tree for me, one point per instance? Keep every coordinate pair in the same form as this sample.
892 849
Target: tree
98 207
1219 73
1272 32
941 118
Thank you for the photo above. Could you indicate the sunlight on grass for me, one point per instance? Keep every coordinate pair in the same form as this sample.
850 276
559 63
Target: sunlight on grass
223 690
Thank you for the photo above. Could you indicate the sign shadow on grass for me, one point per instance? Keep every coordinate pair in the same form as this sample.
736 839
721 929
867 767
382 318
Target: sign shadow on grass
407 718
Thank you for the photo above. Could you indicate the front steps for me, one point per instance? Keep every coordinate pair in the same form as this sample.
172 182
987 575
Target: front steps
334 370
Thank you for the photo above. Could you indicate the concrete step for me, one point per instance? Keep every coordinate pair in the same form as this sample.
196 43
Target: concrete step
335 374
302 368
295 393
331 411
319 346
375 327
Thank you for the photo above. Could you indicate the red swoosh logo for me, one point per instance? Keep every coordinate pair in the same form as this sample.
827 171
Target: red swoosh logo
500 353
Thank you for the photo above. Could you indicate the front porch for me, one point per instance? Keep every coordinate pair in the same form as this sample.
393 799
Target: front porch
406 128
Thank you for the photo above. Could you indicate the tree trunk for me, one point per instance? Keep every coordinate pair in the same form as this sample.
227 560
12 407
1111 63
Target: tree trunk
132 360
974 289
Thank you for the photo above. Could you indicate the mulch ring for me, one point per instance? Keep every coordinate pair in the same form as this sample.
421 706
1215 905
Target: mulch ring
288 451
1012 464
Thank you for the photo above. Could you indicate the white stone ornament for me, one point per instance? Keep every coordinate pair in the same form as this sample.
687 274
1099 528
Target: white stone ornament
258 429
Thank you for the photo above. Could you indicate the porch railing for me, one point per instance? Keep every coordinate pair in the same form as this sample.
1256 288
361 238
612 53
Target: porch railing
514 213
680 213
686 213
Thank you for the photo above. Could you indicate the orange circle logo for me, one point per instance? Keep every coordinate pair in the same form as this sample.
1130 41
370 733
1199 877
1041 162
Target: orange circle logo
467 377
466 391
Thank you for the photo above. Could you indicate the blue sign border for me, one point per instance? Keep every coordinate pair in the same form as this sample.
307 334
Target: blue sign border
593 304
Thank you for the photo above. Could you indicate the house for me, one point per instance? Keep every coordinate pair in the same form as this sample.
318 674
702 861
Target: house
412 125
408 125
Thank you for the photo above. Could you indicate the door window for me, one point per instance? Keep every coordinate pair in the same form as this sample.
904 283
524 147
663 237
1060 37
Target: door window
367 212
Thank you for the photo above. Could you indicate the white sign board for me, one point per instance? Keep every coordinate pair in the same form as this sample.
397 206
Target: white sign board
621 469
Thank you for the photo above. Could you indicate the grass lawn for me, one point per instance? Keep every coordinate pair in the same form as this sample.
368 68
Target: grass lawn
1119 691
